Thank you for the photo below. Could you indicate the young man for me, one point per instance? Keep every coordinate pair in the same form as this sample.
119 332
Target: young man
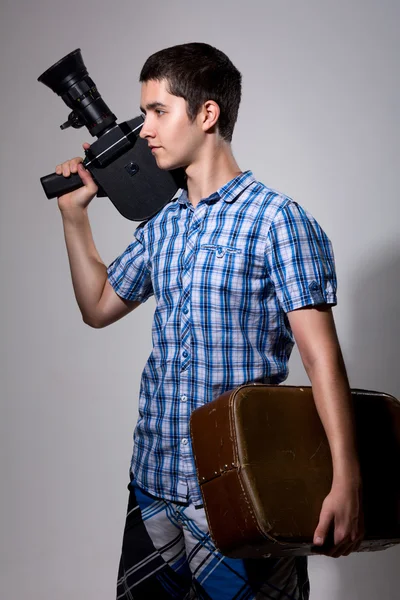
237 270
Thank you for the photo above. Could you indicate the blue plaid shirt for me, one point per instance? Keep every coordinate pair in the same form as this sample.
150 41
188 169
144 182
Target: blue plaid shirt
224 275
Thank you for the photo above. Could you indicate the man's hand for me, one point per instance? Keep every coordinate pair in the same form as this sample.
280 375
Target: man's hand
342 516
81 197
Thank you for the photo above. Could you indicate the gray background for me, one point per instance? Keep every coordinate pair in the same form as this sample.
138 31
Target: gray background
319 121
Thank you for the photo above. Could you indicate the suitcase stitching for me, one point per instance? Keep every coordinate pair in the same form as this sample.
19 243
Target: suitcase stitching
235 447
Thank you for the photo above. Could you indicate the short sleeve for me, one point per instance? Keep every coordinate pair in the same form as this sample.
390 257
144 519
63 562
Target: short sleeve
129 274
300 260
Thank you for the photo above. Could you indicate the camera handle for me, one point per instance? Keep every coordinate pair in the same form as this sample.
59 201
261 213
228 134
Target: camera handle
56 185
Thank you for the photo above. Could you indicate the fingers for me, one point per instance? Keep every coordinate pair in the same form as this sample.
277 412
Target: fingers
342 545
86 177
349 549
83 195
341 524
345 548
342 549
347 539
324 528
337 541
356 540
69 166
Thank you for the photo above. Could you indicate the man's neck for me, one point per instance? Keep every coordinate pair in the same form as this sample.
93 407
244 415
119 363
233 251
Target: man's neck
211 171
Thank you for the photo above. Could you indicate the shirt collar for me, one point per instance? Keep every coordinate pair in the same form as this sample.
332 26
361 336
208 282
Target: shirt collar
228 192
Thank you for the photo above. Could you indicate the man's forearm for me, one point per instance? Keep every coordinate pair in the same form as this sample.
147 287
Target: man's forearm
89 273
315 333
334 405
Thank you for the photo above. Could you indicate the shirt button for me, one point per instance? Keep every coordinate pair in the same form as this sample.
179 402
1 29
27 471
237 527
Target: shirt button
186 310
185 353
183 398
184 441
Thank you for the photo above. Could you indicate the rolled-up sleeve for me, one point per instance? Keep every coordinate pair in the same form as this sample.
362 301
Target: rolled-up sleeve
300 260
129 274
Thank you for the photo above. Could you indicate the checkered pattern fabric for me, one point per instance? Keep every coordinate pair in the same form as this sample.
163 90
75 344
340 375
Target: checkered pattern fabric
167 553
224 275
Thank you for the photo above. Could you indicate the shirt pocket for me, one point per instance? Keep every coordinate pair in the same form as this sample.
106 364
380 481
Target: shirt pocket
219 277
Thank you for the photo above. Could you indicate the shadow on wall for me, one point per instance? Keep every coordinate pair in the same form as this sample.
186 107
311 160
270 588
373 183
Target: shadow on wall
374 347
373 363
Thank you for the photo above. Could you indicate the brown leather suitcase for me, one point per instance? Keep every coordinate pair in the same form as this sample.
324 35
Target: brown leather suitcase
264 468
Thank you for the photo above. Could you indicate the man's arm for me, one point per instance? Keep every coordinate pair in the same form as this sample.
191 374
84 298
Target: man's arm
96 298
315 334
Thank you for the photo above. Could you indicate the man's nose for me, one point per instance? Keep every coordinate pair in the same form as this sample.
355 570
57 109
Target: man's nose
146 130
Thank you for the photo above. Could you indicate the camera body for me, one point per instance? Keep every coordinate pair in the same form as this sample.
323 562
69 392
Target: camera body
119 161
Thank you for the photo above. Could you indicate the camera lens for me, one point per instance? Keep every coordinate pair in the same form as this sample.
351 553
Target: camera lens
69 79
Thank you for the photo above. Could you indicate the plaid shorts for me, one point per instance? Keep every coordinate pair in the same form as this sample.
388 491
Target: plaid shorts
167 553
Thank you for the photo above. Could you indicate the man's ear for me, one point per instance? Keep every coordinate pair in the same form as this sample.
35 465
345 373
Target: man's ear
209 115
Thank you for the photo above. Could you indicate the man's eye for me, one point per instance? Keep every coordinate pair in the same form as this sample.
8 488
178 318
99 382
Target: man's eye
159 111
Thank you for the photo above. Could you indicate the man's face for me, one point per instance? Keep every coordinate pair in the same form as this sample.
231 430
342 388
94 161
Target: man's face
174 140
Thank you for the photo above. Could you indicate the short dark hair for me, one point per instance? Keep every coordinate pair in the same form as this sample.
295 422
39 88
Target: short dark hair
199 72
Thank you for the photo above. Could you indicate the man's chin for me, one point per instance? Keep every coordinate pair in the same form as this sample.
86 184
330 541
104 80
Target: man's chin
166 165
